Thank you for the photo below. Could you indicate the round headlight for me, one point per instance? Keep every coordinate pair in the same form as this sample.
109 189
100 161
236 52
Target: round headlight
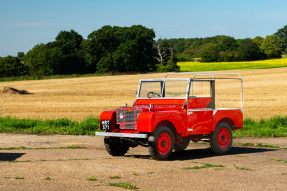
121 115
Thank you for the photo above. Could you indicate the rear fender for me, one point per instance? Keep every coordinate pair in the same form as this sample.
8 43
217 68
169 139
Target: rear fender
232 117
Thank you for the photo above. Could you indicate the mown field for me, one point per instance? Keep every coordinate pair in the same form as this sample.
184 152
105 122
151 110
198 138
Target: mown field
81 100
215 66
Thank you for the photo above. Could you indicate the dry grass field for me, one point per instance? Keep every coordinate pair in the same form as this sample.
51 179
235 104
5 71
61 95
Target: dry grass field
264 95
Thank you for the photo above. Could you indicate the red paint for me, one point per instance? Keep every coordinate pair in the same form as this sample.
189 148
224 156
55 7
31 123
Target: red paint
223 138
163 143
198 103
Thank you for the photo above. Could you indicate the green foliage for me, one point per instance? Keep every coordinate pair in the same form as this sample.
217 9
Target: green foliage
274 127
258 40
272 46
43 127
48 178
43 60
120 49
249 50
12 66
282 34
210 53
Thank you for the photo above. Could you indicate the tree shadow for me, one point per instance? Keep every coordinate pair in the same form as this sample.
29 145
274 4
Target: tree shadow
10 156
205 153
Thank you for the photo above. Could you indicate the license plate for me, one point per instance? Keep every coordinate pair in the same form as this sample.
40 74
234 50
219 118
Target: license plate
106 125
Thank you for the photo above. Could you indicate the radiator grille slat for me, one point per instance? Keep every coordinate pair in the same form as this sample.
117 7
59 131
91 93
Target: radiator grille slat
127 117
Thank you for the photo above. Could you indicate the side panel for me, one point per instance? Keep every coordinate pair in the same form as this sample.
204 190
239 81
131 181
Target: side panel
147 121
197 103
109 115
199 121
235 115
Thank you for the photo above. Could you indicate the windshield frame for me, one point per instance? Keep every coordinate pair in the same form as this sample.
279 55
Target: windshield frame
162 81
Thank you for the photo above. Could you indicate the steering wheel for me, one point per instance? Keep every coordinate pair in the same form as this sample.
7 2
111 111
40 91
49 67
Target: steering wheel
153 94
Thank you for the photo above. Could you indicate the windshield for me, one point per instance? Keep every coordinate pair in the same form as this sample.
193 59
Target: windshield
150 89
172 88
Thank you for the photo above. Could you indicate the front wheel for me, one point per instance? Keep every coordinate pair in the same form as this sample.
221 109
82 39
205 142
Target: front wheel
115 147
161 143
221 139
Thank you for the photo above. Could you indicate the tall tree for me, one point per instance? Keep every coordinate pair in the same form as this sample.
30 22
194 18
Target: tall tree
12 66
69 43
272 46
120 49
43 60
282 34
249 50
210 53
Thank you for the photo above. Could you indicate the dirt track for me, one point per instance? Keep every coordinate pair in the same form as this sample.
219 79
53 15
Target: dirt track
66 173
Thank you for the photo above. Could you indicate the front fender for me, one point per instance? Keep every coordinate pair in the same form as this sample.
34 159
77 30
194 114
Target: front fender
147 121
109 115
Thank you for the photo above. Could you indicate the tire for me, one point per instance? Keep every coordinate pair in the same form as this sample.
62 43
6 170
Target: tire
221 139
179 147
115 147
161 143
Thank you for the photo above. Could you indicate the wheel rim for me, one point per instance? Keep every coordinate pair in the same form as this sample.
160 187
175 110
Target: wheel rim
223 138
163 143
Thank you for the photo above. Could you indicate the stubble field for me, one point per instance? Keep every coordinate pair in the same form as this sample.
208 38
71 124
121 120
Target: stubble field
264 95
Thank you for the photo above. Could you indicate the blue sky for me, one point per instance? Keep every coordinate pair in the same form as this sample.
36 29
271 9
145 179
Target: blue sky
25 23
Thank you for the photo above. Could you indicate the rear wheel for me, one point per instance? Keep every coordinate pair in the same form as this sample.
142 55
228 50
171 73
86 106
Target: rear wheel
116 148
181 146
161 143
221 139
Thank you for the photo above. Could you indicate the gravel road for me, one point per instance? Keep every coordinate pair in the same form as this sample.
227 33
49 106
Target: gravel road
68 169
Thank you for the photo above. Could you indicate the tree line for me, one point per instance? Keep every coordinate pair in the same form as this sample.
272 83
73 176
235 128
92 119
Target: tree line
133 49
227 49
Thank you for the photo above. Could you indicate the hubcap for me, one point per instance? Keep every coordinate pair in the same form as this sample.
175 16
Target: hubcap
223 138
163 143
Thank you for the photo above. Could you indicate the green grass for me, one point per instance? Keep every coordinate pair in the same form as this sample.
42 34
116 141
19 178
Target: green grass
123 185
273 127
215 66
20 148
48 178
46 127
92 179
258 145
115 177
284 173
237 167
151 172
17 177
280 160
206 165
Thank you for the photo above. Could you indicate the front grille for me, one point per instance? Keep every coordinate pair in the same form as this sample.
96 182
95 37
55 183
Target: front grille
127 117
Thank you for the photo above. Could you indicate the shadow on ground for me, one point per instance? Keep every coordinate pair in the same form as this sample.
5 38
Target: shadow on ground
206 153
10 156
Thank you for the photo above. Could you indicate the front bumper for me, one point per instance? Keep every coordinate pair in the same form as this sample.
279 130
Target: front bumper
129 135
